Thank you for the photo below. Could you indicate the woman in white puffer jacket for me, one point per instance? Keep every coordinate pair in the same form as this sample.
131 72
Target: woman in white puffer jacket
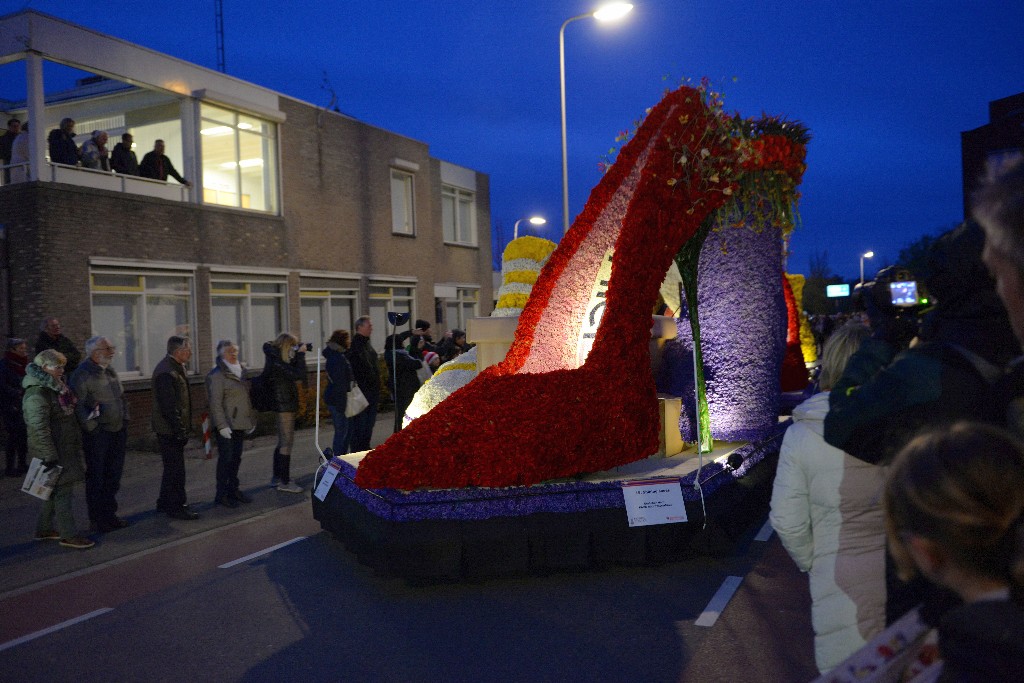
826 508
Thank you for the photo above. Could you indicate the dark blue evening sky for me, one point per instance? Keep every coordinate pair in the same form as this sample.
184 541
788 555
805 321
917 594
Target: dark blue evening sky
885 87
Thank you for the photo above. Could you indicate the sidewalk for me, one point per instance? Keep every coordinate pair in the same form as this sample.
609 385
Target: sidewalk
24 562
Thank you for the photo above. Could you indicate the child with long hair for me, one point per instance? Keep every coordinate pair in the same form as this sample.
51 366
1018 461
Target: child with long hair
954 504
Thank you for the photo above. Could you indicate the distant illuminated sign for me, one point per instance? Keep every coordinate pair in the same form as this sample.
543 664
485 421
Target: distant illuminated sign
832 291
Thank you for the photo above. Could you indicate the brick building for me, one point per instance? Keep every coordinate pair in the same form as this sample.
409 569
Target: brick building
298 218
1002 135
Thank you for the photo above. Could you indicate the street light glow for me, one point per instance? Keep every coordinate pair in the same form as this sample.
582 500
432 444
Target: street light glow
534 220
869 254
613 11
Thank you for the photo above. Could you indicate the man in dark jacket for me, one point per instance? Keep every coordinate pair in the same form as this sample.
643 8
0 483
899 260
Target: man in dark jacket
172 422
103 414
156 165
50 337
123 159
363 360
63 149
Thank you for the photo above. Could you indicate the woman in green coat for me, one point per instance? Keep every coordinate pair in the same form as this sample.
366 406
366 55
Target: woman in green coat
55 438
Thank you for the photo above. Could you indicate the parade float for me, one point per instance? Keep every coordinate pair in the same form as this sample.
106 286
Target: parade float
539 456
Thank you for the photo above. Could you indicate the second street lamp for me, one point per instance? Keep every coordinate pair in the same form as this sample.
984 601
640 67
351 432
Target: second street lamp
867 254
534 220
608 12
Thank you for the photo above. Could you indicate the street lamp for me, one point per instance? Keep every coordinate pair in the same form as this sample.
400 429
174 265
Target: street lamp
608 12
863 256
534 220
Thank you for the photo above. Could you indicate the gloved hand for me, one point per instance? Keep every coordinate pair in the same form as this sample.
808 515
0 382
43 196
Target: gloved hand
225 432
49 465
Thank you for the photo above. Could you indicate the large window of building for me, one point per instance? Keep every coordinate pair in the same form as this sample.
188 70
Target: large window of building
386 297
458 215
402 213
138 311
460 308
248 310
239 159
326 310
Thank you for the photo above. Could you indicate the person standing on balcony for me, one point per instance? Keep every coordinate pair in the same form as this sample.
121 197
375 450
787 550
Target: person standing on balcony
19 155
123 160
63 149
7 145
94 153
156 165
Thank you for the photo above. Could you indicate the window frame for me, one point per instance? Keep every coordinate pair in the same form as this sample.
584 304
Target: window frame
148 358
459 196
250 348
408 181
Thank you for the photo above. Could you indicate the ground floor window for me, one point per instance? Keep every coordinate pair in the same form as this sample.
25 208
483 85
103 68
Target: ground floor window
326 310
138 311
463 306
249 311
399 298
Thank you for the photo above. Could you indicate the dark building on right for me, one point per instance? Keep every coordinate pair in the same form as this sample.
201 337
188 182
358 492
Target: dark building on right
1002 135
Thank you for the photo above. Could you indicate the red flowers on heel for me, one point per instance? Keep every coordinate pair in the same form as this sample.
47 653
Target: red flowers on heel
551 409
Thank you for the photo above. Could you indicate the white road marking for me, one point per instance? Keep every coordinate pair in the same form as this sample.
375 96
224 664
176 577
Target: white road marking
57 627
718 601
265 551
766 531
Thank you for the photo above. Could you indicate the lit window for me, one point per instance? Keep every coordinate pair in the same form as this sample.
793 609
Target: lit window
248 311
138 311
402 216
458 215
239 159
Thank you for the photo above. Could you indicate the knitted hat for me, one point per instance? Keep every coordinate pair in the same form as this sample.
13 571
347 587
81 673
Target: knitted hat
431 358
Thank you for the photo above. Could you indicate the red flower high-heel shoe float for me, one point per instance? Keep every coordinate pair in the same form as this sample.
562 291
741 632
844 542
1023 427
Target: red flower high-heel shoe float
550 409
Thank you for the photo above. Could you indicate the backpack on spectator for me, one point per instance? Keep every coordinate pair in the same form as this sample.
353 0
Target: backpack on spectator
261 392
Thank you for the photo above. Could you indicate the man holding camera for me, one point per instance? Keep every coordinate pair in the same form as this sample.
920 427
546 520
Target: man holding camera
892 388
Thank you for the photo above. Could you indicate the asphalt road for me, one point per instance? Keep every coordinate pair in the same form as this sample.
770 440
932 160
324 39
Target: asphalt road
166 601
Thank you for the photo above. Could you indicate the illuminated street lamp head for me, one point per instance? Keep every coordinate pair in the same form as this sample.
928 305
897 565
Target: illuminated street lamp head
534 220
869 254
613 11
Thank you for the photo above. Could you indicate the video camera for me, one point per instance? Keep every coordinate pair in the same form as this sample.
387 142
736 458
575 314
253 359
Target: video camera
894 299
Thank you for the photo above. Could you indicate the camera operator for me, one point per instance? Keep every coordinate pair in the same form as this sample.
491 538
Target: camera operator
893 388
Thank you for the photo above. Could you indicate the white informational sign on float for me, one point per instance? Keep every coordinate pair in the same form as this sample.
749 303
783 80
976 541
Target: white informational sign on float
654 501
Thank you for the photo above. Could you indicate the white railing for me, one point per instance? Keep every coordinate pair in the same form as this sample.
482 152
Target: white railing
102 180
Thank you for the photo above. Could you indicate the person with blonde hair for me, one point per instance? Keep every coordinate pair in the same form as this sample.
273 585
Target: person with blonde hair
825 509
285 365
55 438
954 509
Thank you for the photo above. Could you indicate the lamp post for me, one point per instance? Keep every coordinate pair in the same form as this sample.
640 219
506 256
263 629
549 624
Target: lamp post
608 12
534 220
868 254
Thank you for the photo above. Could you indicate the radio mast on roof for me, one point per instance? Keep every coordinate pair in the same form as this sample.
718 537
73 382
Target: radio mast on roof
219 10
